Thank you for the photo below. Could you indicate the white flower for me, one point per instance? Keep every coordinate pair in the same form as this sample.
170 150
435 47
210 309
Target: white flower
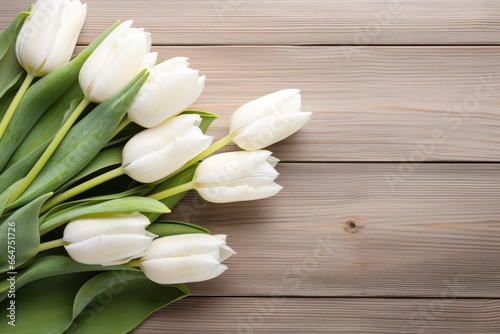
48 36
170 88
268 119
107 239
157 152
185 258
237 176
116 61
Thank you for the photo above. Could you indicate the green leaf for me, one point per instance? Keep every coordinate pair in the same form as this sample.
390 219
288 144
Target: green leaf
8 35
22 228
125 204
17 171
5 102
176 180
5 195
166 228
44 306
55 265
120 303
83 141
108 157
206 118
40 96
11 71
48 125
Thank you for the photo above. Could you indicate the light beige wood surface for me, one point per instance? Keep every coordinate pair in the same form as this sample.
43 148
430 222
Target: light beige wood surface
350 245
296 22
328 315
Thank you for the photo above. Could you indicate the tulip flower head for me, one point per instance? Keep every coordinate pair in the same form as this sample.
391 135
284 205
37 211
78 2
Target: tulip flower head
48 36
116 61
171 87
107 239
157 152
186 258
237 176
268 119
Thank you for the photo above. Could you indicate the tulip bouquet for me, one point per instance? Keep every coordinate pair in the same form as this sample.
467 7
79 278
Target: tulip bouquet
95 149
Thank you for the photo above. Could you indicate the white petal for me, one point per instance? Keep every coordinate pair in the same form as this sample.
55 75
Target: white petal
161 163
288 99
183 245
157 138
270 130
100 224
221 168
238 194
225 253
194 268
124 64
108 249
101 56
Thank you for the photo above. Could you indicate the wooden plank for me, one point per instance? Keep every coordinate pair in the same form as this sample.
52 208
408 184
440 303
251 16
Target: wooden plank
382 104
332 315
348 230
326 22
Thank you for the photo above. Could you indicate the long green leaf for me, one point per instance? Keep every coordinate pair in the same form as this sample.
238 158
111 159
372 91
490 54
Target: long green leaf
48 125
17 171
108 157
19 235
8 35
83 141
41 96
165 228
120 303
10 70
44 306
181 178
125 204
54 265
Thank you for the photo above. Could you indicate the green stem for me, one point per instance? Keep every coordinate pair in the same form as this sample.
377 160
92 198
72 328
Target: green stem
209 150
15 103
173 191
81 188
126 121
50 244
49 151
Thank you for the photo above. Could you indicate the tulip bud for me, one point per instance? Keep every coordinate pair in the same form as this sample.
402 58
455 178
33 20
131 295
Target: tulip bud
267 120
237 176
171 87
48 36
107 239
116 61
157 152
185 258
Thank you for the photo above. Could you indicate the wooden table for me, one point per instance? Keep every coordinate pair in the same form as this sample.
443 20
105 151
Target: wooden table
389 221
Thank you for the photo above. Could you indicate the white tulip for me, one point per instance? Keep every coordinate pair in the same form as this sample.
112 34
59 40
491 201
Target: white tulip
185 258
268 119
107 239
237 176
170 88
116 61
48 36
157 152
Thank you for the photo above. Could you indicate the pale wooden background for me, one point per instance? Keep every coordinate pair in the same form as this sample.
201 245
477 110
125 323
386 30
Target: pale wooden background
390 217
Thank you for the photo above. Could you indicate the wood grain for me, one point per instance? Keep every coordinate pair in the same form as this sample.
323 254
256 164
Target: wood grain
382 104
437 226
321 315
295 22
